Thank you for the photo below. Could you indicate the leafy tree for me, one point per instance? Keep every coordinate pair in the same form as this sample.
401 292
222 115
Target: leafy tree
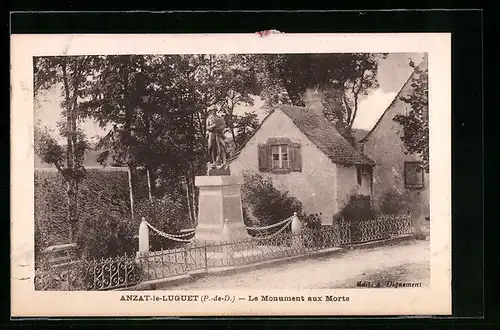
116 99
239 85
343 78
149 103
244 127
346 78
187 87
416 122
155 108
68 74
185 92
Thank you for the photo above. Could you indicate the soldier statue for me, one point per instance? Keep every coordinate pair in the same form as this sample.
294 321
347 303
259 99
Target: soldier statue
216 139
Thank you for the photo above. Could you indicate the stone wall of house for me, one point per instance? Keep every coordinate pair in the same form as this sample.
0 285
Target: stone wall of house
315 186
348 183
385 147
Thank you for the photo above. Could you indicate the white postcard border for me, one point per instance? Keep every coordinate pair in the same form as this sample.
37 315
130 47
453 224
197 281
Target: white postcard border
435 300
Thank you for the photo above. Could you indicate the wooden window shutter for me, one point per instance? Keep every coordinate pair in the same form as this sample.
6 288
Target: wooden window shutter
296 157
413 175
263 155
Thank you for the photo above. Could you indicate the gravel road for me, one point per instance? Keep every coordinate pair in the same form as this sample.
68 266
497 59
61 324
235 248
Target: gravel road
328 272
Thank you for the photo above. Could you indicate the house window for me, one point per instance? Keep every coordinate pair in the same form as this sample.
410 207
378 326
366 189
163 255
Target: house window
279 155
413 175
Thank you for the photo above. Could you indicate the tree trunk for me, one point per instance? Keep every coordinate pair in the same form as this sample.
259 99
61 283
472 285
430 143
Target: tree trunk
230 115
150 195
76 209
191 198
194 198
127 136
153 175
71 191
70 155
148 167
232 132
131 189
188 201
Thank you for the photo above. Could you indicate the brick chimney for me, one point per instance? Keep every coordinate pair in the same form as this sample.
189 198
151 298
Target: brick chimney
313 98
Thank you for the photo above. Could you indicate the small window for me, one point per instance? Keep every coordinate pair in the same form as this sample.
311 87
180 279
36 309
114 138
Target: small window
281 157
359 176
285 157
276 156
414 175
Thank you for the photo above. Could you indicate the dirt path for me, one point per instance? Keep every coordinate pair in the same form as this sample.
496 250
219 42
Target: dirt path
335 271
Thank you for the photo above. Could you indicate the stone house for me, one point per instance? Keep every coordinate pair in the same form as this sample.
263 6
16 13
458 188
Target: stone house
394 170
303 153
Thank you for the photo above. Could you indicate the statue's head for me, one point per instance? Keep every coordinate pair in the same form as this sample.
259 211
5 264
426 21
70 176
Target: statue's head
212 111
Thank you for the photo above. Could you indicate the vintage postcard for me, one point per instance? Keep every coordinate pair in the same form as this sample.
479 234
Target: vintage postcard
266 174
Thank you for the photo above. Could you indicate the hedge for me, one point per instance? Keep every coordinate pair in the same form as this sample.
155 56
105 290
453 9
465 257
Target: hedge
106 189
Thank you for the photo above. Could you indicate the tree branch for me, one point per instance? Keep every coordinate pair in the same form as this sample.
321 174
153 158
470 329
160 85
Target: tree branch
76 85
347 107
356 96
60 170
77 78
70 147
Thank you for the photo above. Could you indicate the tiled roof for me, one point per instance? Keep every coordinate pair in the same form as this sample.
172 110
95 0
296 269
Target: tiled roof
323 134
359 133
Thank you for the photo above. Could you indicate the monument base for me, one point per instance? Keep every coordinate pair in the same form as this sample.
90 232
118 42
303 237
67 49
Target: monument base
213 234
215 171
220 203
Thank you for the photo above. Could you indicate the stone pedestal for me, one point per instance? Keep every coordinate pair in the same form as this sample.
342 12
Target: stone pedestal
214 171
219 200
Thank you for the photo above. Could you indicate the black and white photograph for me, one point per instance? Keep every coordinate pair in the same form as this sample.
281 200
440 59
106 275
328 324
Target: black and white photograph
256 176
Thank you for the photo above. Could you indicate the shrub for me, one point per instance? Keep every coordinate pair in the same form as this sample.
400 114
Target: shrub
357 210
104 234
166 215
316 236
247 220
312 221
50 208
393 202
267 203
40 245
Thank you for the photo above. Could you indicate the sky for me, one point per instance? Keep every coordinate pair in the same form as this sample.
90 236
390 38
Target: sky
392 73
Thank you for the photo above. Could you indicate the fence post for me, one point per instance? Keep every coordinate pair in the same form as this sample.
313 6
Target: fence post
206 260
408 223
297 241
226 235
185 257
143 238
349 234
296 226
